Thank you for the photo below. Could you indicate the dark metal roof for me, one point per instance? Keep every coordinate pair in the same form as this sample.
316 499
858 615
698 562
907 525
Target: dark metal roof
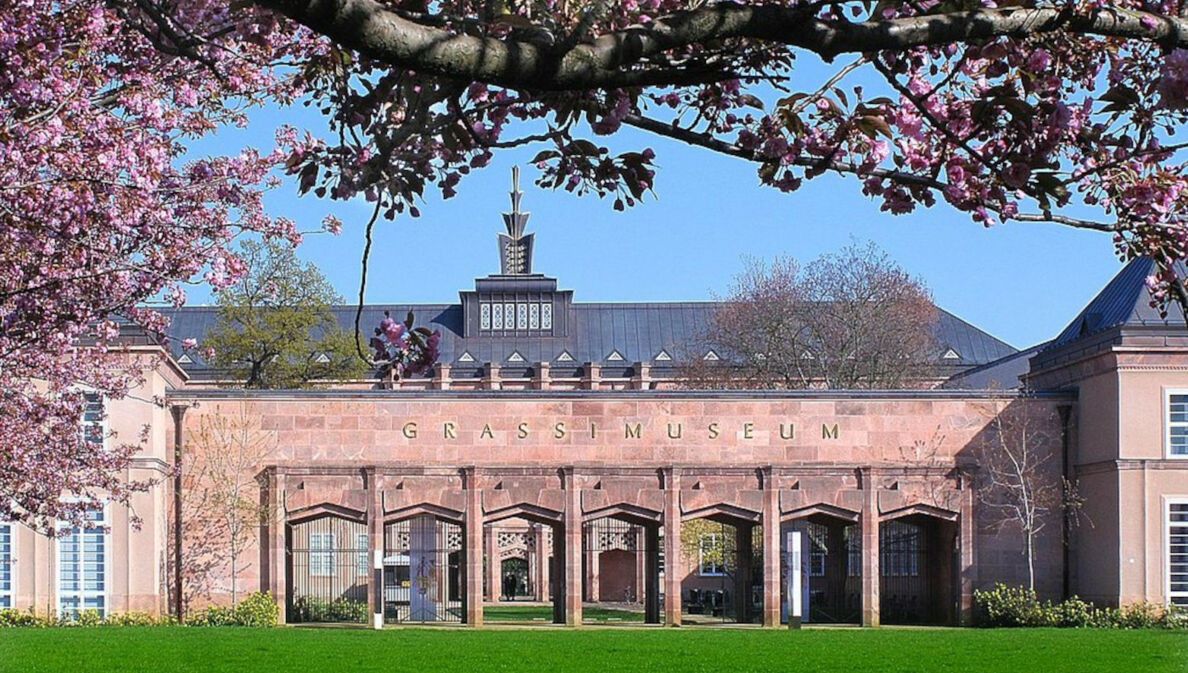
1124 301
1003 374
636 332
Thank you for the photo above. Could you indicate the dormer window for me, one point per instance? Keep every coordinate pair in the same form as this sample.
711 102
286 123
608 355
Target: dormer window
521 316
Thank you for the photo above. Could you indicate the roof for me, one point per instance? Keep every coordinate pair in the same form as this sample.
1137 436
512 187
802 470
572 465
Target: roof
613 335
1005 373
1123 302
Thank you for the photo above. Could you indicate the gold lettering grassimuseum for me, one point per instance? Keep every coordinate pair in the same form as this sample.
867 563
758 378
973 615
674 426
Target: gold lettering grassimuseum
631 430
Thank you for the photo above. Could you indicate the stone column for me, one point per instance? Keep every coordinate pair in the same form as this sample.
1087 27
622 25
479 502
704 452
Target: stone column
491 376
641 565
743 554
592 570
651 584
494 568
441 377
573 548
593 374
541 578
541 380
674 563
375 548
770 526
473 550
643 376
276 544
968 572
870 547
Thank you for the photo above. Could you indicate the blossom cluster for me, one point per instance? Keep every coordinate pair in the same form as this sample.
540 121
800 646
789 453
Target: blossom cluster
403 350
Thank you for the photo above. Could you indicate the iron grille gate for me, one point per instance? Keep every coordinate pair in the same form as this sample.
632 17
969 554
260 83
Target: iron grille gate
906 574
621 570
423 571
833 565
328 571
726 561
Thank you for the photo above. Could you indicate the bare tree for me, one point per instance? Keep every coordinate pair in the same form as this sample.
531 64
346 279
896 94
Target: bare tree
221 498
1021 480
852 319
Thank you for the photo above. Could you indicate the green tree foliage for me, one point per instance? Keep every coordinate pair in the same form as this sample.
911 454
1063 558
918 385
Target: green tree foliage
275 328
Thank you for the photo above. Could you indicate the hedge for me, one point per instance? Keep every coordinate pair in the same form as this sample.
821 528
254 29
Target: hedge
1021 607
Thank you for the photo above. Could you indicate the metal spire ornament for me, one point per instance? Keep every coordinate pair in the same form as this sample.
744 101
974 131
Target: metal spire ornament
515 247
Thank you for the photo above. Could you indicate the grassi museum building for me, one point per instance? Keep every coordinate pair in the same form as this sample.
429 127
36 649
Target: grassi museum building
549 468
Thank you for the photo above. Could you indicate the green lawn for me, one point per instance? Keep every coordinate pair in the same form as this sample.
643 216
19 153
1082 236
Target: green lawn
544 613
602 649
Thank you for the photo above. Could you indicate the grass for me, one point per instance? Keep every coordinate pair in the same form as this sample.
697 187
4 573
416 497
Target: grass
544 613
601 649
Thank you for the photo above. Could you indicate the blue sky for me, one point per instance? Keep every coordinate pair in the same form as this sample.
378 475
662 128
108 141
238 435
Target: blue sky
1020 282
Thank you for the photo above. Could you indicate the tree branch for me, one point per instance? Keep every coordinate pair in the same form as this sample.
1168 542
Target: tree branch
609 60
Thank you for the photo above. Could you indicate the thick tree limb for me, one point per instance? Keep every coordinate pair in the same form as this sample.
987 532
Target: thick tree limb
616 59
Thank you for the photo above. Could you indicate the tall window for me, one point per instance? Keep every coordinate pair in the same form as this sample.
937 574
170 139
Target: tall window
362 568
710 555
1177 424
82 567
6 535
321 554
1177 552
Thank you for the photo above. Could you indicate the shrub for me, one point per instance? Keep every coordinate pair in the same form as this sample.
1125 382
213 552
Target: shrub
310 609
10 618
258 610
1019 607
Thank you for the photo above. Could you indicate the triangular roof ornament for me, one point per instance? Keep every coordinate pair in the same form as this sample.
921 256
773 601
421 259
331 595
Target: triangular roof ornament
662 356
564 357
185 360
614 356
515 357
711 356
465 357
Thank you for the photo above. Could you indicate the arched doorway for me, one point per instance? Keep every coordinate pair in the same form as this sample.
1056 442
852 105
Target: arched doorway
422 570
723 570
916 561
328 570
831 571
621 569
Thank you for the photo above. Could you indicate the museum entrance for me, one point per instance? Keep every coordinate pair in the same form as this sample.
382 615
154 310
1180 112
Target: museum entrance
328 570
830 570
520 573
620 571
723 573
916 561
422 570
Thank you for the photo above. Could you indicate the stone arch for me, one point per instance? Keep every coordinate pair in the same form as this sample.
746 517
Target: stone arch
822 510
425 508
626 512
831 562
325 509
917 569
527 511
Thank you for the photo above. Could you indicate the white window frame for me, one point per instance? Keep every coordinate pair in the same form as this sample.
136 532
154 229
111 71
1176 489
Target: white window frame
8 596
714 538
1168 595
320 556
1168 425
84 594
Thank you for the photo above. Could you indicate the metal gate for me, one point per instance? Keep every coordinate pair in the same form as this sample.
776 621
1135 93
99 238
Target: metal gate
906 575
328 571
726 562
831 574
423 570
621 570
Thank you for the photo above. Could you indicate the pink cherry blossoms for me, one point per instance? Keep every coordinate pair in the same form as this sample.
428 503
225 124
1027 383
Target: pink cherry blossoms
403 350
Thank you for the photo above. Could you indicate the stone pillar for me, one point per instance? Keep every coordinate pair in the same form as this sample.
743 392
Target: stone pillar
573 548
651 584
674 563
770 526
642 380
473 548
968 570
276 544
441 377
541 579
641 564
491 376
744 538
593 374
592 569
541 380
870 547
494 567
375 547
